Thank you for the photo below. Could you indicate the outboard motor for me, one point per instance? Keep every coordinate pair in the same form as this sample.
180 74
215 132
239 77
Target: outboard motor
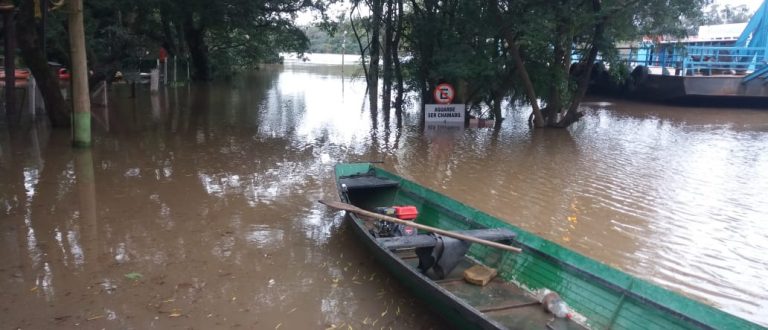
390 229
443 257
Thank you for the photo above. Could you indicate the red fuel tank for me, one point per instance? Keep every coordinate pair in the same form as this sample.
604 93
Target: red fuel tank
407 212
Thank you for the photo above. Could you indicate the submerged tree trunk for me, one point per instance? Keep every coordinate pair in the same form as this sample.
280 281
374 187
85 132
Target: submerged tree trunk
56 107
560 58
424 41
525 79
572 114
373 71
396 61
198 50
360 45
168 37
386 94
496 108
181 48
522 73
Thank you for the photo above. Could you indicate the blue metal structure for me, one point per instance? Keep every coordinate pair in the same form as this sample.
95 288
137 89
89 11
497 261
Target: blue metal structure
747 56
755 36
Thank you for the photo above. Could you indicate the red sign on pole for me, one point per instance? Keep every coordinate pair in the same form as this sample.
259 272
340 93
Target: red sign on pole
444 94
162 54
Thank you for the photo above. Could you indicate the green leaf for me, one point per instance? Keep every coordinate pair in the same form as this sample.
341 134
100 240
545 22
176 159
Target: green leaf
134 276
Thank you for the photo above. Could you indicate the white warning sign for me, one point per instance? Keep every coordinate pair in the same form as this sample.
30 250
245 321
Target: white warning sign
444 113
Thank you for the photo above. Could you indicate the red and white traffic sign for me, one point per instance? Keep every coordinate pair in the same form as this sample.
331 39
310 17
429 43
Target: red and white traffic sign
444 94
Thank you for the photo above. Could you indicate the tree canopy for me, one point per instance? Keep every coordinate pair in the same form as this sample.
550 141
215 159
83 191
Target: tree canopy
538 52
726 14
219 37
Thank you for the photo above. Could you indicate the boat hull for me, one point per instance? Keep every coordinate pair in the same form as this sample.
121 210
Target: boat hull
670 88
701 90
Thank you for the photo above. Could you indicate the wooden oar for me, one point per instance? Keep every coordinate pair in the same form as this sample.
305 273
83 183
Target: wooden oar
355 209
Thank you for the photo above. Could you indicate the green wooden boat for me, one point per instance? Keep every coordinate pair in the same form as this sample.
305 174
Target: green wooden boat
598 296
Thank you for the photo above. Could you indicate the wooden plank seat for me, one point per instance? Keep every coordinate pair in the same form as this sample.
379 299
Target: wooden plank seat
366 182
427 240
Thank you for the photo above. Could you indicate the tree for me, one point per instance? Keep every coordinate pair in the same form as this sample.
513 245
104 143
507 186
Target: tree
81 97
29 42
232 34
379 36
369 43
220 37
541 53
452 41
544 38
726 15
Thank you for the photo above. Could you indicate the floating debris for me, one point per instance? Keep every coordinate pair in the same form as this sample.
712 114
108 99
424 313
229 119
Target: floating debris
134 276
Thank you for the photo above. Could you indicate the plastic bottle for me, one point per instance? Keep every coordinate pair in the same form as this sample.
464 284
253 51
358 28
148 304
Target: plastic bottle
553 303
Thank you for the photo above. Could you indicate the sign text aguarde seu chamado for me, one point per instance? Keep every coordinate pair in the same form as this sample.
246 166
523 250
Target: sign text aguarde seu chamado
444 111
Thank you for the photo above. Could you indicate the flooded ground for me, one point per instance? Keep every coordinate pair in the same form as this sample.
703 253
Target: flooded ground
196 207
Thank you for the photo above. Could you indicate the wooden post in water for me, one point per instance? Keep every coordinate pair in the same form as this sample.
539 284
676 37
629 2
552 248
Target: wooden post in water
174 69
87 198
154 80
32 95
81 97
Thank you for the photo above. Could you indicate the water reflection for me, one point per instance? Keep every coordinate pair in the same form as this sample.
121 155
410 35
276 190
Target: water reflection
208 192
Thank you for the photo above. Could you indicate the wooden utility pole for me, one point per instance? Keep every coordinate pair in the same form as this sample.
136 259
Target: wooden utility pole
81 100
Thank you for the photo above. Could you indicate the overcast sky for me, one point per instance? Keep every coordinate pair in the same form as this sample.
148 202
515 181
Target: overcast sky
305 18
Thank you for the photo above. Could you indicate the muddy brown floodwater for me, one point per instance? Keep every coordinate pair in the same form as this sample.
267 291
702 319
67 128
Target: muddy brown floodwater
196 207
